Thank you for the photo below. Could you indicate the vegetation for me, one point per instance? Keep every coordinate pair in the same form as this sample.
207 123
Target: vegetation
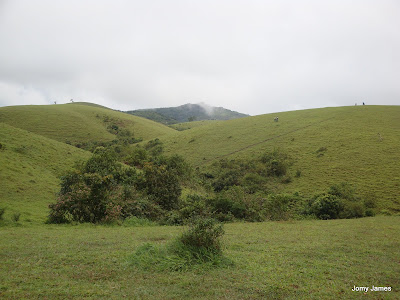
346 136
186 113
78 124
311 165
197 248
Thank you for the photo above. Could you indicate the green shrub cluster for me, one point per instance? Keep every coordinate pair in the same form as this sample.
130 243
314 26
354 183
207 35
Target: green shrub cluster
104 190
150 187
339 202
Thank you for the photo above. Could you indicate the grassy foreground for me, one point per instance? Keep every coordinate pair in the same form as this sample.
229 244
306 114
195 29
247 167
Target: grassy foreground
272 260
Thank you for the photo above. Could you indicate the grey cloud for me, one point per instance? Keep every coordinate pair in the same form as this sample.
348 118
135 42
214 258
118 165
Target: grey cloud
251 56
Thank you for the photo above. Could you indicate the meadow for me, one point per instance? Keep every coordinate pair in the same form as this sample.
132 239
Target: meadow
271 260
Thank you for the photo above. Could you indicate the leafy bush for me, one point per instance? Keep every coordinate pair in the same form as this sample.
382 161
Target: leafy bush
326 206
276 162
163 184
2 211
16 217
280 206
155 147
92 192
340 201
203 234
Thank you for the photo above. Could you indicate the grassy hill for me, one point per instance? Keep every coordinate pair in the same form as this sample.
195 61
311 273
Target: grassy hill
78 122
30 166
329 145
187 112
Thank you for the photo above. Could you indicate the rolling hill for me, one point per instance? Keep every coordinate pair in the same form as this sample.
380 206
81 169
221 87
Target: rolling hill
34 152
358 145
30 166
78 122
187 112
328 145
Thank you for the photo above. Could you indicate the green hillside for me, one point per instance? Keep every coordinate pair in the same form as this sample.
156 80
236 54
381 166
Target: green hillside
186 112
30 166
190 125
328 146
78 122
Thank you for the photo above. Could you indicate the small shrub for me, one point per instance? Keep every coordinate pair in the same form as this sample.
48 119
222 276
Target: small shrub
16 216
286 179
199 246
298 173
2 211
203 234
352 210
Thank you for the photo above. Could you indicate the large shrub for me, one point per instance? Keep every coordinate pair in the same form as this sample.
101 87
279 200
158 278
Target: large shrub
326 206
339 202
90 192
162 184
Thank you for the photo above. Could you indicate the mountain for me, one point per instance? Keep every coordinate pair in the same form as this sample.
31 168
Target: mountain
187 113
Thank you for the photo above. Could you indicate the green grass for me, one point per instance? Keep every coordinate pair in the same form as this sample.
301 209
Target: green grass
354 152
77 122
272 260
30 166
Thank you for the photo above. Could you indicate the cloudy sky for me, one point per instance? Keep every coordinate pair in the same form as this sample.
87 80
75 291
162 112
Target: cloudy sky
251 56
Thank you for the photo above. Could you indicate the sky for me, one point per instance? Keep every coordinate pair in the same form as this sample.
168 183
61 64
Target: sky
251 56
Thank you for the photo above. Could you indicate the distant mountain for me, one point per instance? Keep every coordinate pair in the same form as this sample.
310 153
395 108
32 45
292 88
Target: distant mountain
187 113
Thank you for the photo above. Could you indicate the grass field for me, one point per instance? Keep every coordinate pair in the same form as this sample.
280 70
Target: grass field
272 260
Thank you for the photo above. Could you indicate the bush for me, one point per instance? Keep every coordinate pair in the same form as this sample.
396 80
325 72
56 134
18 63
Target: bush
163 184
2 211
276 163
203 234
92 193
340 201
352 209
191 206
199 246
279 206
326 206
16 217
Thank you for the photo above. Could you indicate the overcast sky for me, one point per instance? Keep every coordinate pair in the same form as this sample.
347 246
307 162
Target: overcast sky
250 56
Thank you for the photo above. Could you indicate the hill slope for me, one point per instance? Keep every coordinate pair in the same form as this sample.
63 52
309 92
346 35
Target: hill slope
187 112
30 166
328 146
78 122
